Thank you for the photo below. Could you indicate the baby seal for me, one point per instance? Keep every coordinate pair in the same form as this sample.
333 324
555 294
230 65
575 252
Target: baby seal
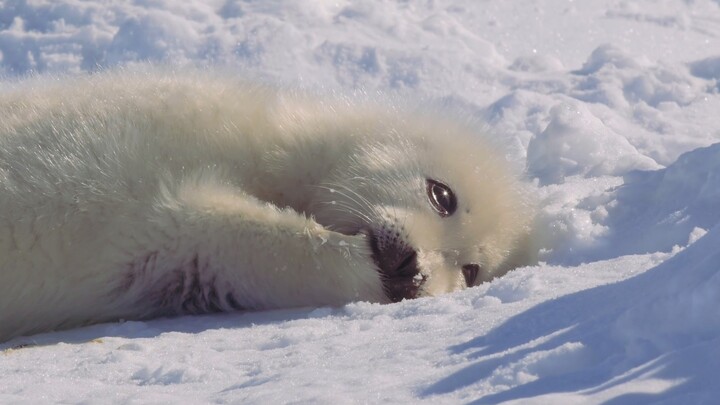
136 195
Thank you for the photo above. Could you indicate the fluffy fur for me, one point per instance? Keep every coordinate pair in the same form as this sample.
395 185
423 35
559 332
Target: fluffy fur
134 195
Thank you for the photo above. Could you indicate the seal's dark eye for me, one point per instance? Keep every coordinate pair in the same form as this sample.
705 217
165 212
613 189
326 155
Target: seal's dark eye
441 198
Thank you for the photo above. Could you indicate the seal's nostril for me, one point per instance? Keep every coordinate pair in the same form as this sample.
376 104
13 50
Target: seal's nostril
408 265
470 272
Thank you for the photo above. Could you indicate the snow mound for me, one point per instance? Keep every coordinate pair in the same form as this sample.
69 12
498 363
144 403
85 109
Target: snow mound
576 142
660 209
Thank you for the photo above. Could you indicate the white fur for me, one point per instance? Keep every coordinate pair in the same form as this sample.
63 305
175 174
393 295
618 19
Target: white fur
132 195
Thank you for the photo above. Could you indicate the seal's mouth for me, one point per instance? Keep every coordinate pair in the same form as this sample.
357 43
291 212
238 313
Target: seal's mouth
397 264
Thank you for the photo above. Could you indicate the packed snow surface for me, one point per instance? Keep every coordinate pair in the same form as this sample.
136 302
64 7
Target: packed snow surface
613 109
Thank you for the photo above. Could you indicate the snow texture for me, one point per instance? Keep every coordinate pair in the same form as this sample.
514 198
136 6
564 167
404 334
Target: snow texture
612 107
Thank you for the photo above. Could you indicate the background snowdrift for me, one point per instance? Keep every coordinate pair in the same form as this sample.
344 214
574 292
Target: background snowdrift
611 106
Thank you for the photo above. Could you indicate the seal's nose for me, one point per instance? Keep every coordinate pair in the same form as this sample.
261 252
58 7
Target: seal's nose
398 268
470 272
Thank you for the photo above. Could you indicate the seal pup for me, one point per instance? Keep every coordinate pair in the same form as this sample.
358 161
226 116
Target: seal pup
131 195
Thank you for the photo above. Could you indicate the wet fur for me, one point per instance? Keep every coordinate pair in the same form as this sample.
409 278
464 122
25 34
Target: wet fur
134 195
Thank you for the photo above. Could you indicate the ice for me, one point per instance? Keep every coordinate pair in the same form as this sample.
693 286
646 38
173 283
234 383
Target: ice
611 107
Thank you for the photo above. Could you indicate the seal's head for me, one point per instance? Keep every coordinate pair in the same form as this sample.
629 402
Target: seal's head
438 206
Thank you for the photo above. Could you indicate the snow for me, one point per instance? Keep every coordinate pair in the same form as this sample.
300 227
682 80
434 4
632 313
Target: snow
610 105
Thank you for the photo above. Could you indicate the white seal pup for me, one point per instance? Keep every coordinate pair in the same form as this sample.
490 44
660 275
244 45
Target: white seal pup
134 195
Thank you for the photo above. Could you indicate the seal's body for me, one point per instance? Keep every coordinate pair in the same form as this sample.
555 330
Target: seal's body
133 195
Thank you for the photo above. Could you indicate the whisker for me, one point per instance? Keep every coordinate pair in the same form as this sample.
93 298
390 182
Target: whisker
360 201
342 207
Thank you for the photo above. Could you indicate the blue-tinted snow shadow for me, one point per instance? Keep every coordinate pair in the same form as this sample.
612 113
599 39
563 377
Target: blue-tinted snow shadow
156 327
561 321
608 358
657 210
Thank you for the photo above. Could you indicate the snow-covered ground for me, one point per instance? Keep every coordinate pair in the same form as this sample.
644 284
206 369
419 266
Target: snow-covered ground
613 107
